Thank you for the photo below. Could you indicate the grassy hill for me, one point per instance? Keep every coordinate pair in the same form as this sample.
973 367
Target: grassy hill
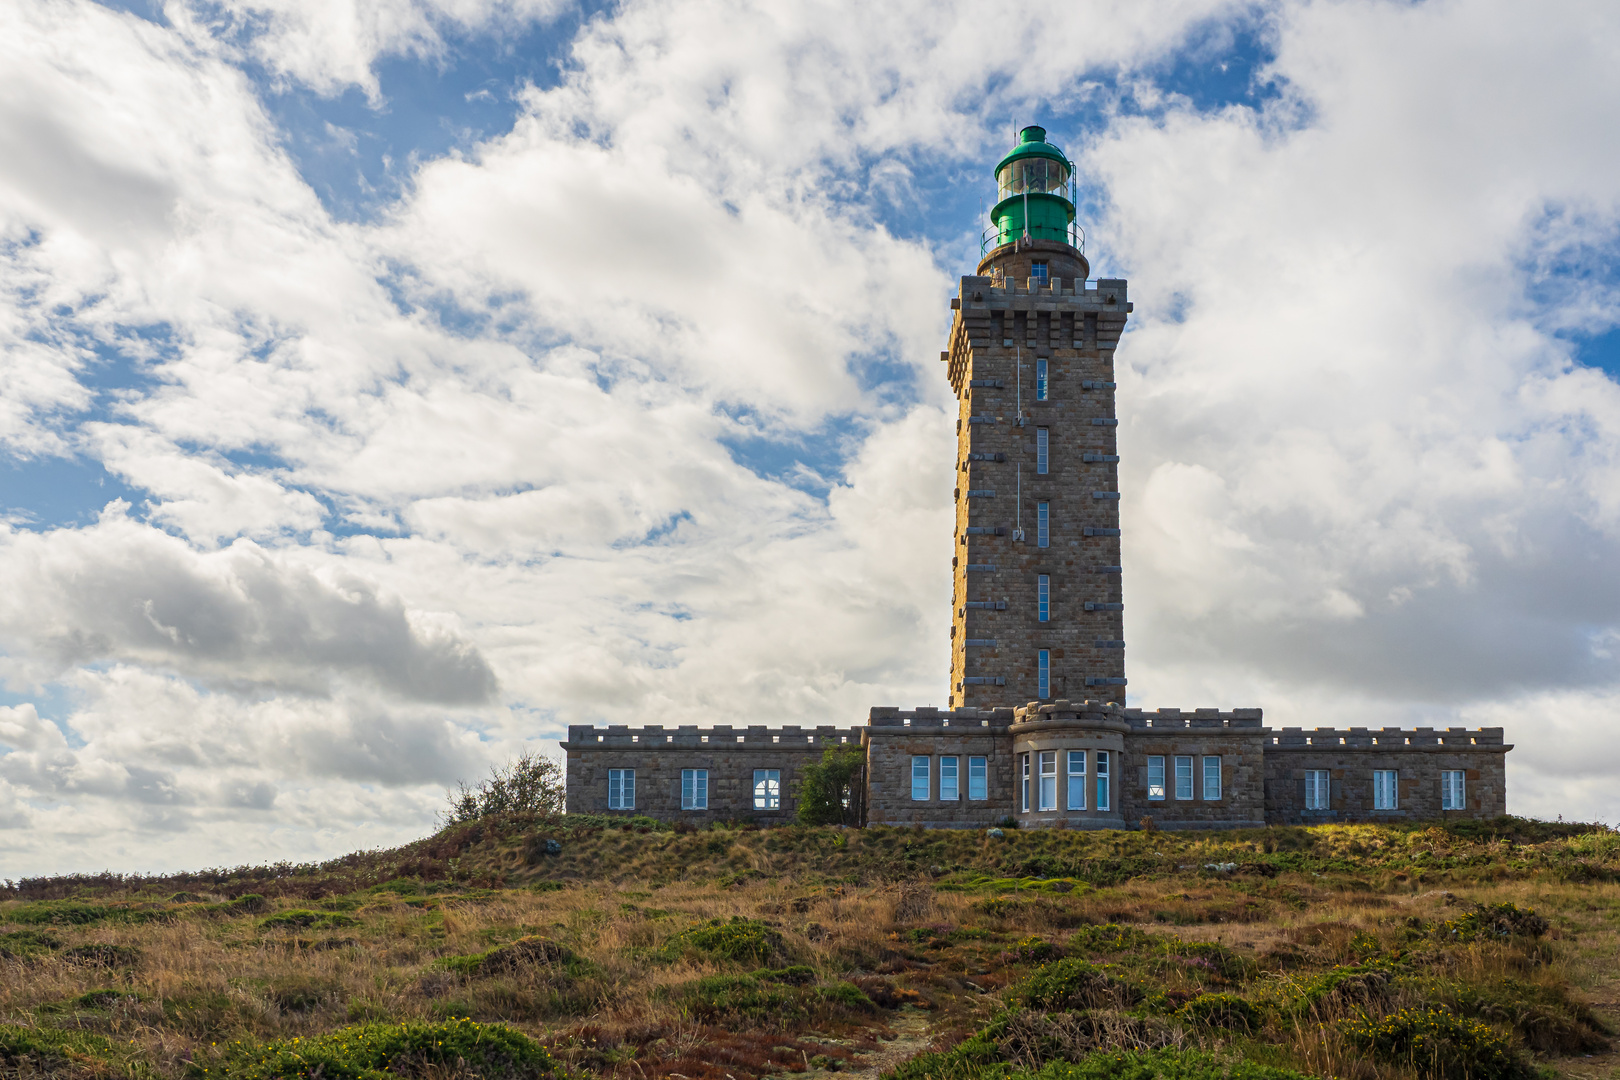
584 946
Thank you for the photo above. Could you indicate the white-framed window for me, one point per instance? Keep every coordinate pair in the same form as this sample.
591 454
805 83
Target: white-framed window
1043 524
1184 788
1043 674
1316 789
1452 795
919 778
978 779
1102 780
1037 270
949 781
1023 782
1077 779
1212 779
1042 444
1048 779
621 789
694 789
1043 597
1386 787
1040 380
767 789
1155 778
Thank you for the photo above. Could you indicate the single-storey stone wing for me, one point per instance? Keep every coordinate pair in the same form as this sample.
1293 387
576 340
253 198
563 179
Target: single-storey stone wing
1079 764
1038 616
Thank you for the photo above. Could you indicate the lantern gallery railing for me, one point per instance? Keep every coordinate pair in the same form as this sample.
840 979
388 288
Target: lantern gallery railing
996 236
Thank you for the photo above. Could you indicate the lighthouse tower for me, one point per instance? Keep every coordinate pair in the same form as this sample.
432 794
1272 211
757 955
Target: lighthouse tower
1037 604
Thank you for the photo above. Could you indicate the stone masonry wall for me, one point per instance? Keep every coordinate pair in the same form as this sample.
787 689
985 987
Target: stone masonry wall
1074 326
1350 757
1235 737
894 737
658 755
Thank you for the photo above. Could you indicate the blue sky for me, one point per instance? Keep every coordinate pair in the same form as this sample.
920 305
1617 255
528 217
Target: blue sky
386 385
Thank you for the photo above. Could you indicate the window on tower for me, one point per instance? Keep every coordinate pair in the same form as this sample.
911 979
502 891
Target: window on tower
1037 270
1043 597
1043 439
1043 518
1040 380
1043 674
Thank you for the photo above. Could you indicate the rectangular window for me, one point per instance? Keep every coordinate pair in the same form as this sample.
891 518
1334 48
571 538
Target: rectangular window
1316 789
1212 779
621 789
1042 446
1043 674
1043 597
1184 778
1155 779
949 791
767 789
1102 780
1384 789
1037 270
1048 779
919 779
694 789
1040 380
1043 520
1077 779
978 779
1023 782
1451 790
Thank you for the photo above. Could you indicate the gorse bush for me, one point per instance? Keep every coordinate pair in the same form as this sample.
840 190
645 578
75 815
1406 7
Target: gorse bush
1437 1044
1074 984
745 941
1228 1011
387 1051
302 919
530 784
1494 921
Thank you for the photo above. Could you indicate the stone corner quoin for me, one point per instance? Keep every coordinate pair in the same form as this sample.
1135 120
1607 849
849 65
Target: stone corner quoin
1034 730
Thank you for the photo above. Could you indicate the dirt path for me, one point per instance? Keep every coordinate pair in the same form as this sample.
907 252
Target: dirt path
911 1038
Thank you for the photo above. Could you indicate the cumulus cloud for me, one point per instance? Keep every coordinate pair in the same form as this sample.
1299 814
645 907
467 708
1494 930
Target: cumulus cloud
631 414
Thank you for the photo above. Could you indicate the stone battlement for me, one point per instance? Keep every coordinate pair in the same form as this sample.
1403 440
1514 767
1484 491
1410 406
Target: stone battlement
992 289
939 719
690 736
1389 738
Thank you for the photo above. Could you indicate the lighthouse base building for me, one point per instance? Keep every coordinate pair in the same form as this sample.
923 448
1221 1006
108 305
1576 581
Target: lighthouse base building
1035 728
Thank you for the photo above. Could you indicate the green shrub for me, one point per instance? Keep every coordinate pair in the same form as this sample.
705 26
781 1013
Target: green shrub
718 997
388 1051
47 1052
75 913
1226 1011
1502 920
1437 1044
304 919
797 975
746 941
1164 1064
1074 984
1545 1017
1036 950
22 944
248 904
847 995
523 954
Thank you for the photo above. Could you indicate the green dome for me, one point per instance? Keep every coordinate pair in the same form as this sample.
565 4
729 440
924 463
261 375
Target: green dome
1032 185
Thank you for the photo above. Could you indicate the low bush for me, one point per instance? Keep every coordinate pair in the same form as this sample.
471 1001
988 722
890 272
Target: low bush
526 953
846 995
1503 920
24 944
745 941
797 975
387 1051
304 919
1226 1011
1437 1044
1074 984
64 1055
75 913
1168 1064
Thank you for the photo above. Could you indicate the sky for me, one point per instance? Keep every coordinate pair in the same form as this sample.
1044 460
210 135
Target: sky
387 384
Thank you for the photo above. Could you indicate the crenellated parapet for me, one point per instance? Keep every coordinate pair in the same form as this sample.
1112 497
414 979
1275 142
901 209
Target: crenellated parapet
1388 738
690 736
940 720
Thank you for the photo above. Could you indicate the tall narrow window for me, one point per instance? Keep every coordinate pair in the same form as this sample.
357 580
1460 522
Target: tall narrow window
919 779
1384 789
1043 446
1048 779
1212 779
1077 779
1043 597
767 789
621 789
1040 380
694 789
1043 674
1043 519
1102 780
978 779
1023 782
1451 790
1316 789
1184 778
949 789
1155 779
